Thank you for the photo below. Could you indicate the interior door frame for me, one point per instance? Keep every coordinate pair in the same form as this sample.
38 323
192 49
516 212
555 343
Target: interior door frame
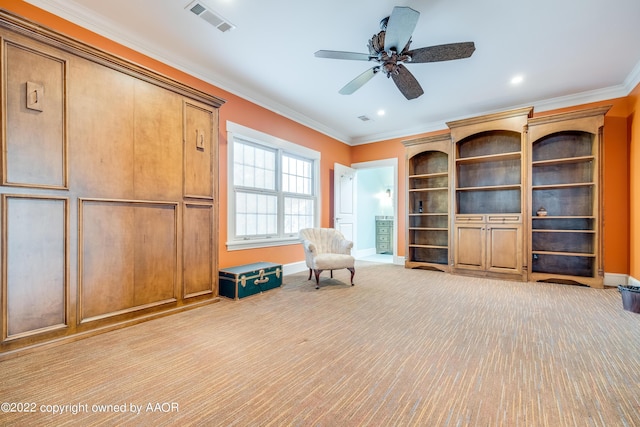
391 162
340 217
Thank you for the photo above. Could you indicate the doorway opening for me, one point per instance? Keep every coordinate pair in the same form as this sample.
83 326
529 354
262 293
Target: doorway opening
376 237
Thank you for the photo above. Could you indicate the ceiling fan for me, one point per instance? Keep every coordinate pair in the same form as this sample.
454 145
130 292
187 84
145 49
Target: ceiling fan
390 49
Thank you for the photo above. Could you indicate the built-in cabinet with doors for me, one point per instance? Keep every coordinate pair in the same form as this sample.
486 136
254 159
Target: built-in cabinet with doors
512 196
108 193
488 194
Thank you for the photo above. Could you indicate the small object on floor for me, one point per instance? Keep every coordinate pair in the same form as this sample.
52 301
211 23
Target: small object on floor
249 279
630 298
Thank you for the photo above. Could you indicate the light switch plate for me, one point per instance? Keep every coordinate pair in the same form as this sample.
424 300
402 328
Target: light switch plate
35 96
199 140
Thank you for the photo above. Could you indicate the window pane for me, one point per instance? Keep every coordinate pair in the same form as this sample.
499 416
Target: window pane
256 214
295 176
254 166
270 179
298 214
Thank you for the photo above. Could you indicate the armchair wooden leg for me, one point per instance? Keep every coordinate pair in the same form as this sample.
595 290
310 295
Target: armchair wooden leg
310 270
353 272
317 273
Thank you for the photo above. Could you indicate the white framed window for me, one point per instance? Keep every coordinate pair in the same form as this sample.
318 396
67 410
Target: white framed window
273 189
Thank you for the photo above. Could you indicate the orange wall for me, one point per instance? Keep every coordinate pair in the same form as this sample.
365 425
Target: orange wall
622 156
634 182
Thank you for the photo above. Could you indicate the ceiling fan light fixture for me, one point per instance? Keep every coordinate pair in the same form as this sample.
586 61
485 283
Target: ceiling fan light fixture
390 48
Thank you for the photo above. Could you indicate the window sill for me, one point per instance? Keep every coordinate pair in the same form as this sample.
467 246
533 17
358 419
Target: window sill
261 243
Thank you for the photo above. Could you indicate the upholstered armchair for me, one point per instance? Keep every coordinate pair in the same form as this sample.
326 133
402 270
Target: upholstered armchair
326 249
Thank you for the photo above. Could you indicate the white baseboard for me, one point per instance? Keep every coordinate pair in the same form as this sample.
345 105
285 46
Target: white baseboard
633 281
363 253
295 267
615 279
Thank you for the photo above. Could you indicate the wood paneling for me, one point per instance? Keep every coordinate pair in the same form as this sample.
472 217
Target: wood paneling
157 143
198 152
35 144
36 268
101 128
106 254
155 252
198 265
128 256
97 240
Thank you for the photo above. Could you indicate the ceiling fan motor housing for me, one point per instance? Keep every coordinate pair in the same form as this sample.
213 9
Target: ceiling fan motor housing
396 31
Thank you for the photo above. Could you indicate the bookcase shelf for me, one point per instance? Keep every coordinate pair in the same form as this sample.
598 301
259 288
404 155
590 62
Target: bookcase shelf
565 179
474 195
428 203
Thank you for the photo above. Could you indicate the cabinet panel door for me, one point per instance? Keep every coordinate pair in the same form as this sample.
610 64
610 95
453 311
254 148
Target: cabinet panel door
106 254
470 246
35 247
155 262
504 249
198 152
199 256
35 146
157 147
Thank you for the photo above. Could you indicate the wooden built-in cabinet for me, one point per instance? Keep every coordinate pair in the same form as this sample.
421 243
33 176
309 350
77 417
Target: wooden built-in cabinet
108 191
489 194
509 196
428 202
565 197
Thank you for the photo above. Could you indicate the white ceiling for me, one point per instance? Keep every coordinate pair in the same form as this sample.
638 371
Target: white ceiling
568 51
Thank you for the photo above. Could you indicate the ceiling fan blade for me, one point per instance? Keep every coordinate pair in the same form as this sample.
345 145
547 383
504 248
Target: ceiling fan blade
407 83
335 54
402 22
443 52
359 81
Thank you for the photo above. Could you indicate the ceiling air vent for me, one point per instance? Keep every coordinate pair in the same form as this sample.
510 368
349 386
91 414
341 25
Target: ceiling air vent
201 10
364 118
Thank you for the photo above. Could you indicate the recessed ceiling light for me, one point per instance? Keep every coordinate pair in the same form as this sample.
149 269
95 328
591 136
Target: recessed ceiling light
381 112
516 80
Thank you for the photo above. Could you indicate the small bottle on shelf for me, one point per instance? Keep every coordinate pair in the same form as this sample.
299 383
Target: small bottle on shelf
420 206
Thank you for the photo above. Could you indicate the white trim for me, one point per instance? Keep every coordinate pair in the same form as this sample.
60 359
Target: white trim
235 130
633 281
399 260
261 137
294 267
363 253
385 163
262 243
615 279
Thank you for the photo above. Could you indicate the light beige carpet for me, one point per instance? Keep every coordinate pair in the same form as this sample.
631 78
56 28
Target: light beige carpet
401 348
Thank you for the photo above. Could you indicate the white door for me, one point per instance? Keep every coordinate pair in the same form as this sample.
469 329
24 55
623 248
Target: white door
344 203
